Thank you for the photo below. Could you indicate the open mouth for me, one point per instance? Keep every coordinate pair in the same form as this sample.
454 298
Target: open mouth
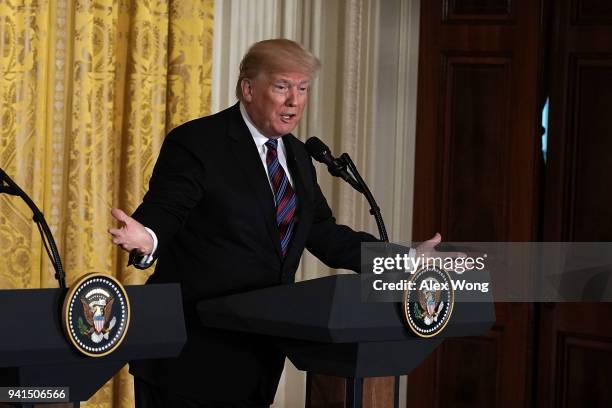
287 116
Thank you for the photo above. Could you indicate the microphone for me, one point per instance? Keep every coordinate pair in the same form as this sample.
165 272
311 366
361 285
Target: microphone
8 186
321 153
337 168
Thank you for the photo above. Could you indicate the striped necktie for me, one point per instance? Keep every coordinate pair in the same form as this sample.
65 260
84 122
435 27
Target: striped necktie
284 196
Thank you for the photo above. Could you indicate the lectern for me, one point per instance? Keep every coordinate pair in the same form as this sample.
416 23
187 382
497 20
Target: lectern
324 328
35 353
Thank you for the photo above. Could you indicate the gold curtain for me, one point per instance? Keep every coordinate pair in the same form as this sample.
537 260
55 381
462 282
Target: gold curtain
88 89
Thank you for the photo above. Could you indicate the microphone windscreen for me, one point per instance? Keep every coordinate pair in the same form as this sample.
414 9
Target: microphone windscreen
317 149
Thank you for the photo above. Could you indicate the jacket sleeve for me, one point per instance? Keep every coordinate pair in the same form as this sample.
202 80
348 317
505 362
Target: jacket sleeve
175 188
336 245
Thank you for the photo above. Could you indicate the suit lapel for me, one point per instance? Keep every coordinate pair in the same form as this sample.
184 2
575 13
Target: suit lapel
247 157
298 165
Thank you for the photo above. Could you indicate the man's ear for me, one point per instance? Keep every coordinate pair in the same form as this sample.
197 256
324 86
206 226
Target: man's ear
247 89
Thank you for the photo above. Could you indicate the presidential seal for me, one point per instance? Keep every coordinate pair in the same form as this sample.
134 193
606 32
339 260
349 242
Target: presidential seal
96 314
428 301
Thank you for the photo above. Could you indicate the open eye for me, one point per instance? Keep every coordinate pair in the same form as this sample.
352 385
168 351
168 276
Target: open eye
304 87
281 87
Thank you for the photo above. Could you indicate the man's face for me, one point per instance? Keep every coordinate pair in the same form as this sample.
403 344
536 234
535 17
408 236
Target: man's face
275 102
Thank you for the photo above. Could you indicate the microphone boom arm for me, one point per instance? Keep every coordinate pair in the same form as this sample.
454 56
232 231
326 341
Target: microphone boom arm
345 160
337 168
8 186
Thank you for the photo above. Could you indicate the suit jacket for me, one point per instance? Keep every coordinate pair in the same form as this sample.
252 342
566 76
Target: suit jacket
212 209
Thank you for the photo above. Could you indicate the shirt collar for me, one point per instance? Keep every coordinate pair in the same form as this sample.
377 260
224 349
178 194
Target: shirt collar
258 137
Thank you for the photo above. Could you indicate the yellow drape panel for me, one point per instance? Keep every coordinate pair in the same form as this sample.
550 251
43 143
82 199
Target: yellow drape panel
88 89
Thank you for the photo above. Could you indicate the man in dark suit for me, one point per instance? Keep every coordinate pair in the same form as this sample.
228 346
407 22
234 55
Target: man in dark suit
232 203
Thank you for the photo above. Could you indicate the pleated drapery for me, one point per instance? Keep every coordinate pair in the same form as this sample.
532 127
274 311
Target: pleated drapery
88 90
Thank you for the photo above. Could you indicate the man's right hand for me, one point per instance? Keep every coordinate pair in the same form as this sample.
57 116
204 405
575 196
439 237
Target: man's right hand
131 235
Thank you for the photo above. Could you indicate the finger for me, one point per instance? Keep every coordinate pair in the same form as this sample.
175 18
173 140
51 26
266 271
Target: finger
114 231
119 215
126 247
428 246
435 240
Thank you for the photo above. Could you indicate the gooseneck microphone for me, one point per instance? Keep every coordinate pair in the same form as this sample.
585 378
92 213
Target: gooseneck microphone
345 168
8 186
321 153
